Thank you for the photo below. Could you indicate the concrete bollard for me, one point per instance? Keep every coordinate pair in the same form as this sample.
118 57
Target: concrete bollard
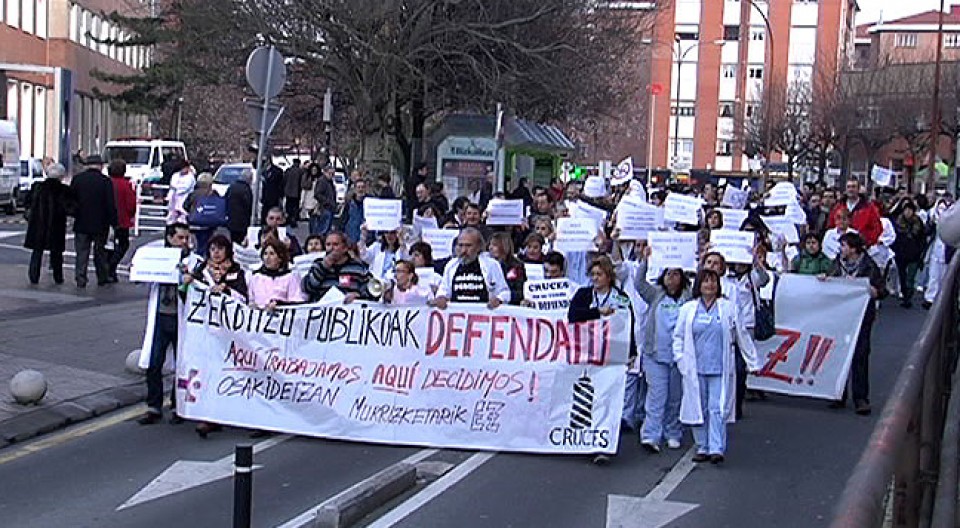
28 387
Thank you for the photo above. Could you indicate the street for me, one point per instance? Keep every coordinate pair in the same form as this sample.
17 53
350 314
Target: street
787 461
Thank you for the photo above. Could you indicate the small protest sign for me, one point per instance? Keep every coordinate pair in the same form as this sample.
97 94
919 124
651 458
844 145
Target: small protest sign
673 250
382 214
440 241
505 212
735 246
550 294
576 234
682 208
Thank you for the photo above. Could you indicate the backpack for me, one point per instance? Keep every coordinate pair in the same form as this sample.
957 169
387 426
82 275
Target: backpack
209 212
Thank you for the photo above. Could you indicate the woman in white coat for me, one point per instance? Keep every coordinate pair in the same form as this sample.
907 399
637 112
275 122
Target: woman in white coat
703 348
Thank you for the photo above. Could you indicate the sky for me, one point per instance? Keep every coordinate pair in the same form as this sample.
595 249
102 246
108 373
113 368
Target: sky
870 9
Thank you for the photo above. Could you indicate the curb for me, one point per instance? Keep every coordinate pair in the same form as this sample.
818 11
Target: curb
359 500
68 412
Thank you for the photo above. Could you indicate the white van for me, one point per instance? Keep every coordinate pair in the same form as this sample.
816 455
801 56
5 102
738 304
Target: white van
143 156
9 165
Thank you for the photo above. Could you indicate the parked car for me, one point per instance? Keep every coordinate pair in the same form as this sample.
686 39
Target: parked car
9 165
143 156
229 173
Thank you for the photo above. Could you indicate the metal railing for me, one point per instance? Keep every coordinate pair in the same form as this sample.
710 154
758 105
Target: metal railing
907 476
152 209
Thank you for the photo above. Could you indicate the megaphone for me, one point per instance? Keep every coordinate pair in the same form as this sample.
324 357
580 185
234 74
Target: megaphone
376 288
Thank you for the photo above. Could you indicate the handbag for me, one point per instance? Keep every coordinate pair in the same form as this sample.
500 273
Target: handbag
765 321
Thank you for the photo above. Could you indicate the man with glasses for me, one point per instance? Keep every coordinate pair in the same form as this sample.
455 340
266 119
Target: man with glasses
472 277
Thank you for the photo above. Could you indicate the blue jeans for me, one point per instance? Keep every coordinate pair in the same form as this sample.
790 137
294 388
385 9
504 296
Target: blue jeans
664 392
711 436
320 223
164 334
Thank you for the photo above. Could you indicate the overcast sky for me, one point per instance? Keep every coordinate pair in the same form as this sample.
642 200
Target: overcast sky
870 9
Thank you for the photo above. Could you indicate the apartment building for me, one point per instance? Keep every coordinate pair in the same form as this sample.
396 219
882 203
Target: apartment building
713 60
38 39
908 40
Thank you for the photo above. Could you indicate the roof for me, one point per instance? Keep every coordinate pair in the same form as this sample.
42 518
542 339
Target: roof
517 133
926 18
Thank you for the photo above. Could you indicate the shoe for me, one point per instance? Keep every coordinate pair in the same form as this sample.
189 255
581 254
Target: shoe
176 419
149 418
926 305
700 457
673 443
862 408
601 460
716 459
838 404
650 446
205 428
58 281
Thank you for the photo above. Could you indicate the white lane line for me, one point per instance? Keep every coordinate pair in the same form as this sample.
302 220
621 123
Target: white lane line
10 234
432 491
675 477
307 517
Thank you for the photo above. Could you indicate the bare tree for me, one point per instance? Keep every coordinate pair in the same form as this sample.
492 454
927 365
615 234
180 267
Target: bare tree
782 123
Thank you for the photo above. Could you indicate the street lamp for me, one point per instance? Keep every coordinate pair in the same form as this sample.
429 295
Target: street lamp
679 54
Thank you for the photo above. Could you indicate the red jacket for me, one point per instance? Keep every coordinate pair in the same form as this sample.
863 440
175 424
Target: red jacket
865 218
126 199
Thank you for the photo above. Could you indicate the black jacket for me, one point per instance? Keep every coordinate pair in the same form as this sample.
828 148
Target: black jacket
272 187
868 269
239 206
911 242
96 207
51 202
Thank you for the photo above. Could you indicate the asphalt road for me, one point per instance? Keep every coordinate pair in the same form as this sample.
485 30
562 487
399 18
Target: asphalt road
786 466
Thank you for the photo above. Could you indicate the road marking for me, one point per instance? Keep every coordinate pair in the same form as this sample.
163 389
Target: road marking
653 510
432 491
185 474
307 517
10 234
72 433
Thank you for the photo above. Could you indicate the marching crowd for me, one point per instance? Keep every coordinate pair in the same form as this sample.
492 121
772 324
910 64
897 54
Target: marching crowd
694 332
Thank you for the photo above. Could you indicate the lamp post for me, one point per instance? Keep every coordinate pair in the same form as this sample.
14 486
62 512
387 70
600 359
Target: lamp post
679 54
766 129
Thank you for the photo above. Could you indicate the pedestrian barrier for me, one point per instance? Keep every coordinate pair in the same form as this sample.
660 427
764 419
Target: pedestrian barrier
151 212
907 476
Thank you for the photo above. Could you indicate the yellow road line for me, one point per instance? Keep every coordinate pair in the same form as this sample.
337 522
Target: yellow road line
71 434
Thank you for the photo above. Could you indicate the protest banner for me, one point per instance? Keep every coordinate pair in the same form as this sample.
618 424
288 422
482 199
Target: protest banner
576 234
733 218
156 264
681 208
440 241
735 246
595 187
813 349
549 294
781 225
534 271
735 198
783 193
623 172
673 250
636 220
504 212
516 379
382 214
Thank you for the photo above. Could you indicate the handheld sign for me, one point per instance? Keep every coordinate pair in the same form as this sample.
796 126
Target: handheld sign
681 208
440 241
735 246
424 222
595 187
381 214
782 225
505 212
576 234
673 250
550 294
732 218
635 221
156 264
582 209
735 198
783 193
534 271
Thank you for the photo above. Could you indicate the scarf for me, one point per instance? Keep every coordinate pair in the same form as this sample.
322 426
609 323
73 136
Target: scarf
273 274
850 269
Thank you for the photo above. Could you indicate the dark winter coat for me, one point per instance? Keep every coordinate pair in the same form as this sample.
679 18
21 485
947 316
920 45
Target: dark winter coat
96 209
911 242
47 228
239 206
272 190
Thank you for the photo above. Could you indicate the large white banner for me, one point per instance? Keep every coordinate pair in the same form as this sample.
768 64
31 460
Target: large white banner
817 327
510 379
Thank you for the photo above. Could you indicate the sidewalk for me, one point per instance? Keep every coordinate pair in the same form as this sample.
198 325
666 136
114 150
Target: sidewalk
79 340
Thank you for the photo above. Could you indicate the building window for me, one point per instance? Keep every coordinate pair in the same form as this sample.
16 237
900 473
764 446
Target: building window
688 36
685 111
726 109
951 40
729 71
751 108
906 40
755 72
724 147
758 34
74 22
731 33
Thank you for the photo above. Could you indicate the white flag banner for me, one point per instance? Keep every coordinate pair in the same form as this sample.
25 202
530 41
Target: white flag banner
735 246
783 193
549 294
735 198
682 208
673 250
781 225
882 176
623 173
382 214
636 220
462 378
440 241
504 212
732 218
813 349
576 234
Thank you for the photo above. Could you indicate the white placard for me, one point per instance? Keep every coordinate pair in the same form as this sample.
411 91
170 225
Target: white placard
505 212
623 172
440 241
534 271
636 221
735 198
882 176
582 209
382 214
673 250
733 218
735 246
783 193
428 277
576 234
424 222
682 208
156 264
550 294
781 225
636 189
796 213
595 187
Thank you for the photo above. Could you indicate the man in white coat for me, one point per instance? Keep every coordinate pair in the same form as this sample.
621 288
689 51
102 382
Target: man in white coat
472 277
